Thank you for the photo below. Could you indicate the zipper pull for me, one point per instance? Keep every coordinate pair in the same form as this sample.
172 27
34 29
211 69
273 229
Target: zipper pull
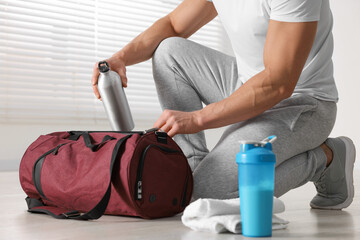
139 190
57 148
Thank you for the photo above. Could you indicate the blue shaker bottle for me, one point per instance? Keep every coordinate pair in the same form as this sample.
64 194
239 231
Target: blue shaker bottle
256 162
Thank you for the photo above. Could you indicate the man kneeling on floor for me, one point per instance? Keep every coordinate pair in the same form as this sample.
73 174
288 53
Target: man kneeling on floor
280 82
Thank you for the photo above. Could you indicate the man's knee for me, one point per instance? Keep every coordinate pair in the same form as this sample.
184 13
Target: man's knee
166 50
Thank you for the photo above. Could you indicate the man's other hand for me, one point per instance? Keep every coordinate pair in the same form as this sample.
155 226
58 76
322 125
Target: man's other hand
177 122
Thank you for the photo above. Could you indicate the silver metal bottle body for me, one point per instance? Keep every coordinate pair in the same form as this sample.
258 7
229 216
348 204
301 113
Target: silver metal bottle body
115 101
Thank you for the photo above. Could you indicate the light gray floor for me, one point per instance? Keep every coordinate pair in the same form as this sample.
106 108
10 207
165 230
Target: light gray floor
16 223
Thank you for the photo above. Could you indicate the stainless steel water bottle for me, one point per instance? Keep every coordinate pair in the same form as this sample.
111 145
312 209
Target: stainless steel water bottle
114 99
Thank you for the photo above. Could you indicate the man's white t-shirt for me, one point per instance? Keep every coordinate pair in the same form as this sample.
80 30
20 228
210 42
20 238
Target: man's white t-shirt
246 23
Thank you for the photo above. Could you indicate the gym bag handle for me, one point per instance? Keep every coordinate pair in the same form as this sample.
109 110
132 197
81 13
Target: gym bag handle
87 139
36 206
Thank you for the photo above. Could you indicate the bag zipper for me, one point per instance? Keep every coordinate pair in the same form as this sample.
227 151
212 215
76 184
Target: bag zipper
138 187
125 132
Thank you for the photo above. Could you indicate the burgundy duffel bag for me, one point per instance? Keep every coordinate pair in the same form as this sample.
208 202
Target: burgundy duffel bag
83 175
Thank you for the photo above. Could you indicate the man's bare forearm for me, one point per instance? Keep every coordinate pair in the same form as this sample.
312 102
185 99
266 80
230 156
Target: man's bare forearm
254 97
143 46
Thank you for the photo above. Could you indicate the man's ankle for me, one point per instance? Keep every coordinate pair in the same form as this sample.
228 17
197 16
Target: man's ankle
328 152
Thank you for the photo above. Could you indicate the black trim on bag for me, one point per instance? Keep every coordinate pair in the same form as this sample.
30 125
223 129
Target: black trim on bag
138 183
161 137
32 203
183 200
95 147
74 135
36 174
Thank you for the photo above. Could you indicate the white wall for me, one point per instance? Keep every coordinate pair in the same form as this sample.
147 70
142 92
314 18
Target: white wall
347 66
16 137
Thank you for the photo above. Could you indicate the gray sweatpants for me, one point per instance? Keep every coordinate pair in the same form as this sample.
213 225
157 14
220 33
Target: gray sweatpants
188 74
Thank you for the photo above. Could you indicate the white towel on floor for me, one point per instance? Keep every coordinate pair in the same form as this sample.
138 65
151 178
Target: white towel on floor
218 216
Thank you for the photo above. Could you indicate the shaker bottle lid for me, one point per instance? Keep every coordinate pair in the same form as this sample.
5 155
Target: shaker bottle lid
254 152
103 66
247 145
261 143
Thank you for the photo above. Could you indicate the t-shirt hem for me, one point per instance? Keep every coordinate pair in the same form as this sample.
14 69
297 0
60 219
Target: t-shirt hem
322 98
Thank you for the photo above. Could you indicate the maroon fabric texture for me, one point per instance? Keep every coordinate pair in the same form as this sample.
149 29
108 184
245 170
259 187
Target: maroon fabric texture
76 178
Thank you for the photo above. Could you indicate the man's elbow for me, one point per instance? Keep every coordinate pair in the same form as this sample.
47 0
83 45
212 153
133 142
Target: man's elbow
285 91
283 83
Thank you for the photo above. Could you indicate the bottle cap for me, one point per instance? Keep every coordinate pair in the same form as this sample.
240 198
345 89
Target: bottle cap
103 66
247 145
256 152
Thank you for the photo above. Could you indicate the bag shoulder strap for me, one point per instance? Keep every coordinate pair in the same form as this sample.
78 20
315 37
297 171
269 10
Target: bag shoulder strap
36 206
